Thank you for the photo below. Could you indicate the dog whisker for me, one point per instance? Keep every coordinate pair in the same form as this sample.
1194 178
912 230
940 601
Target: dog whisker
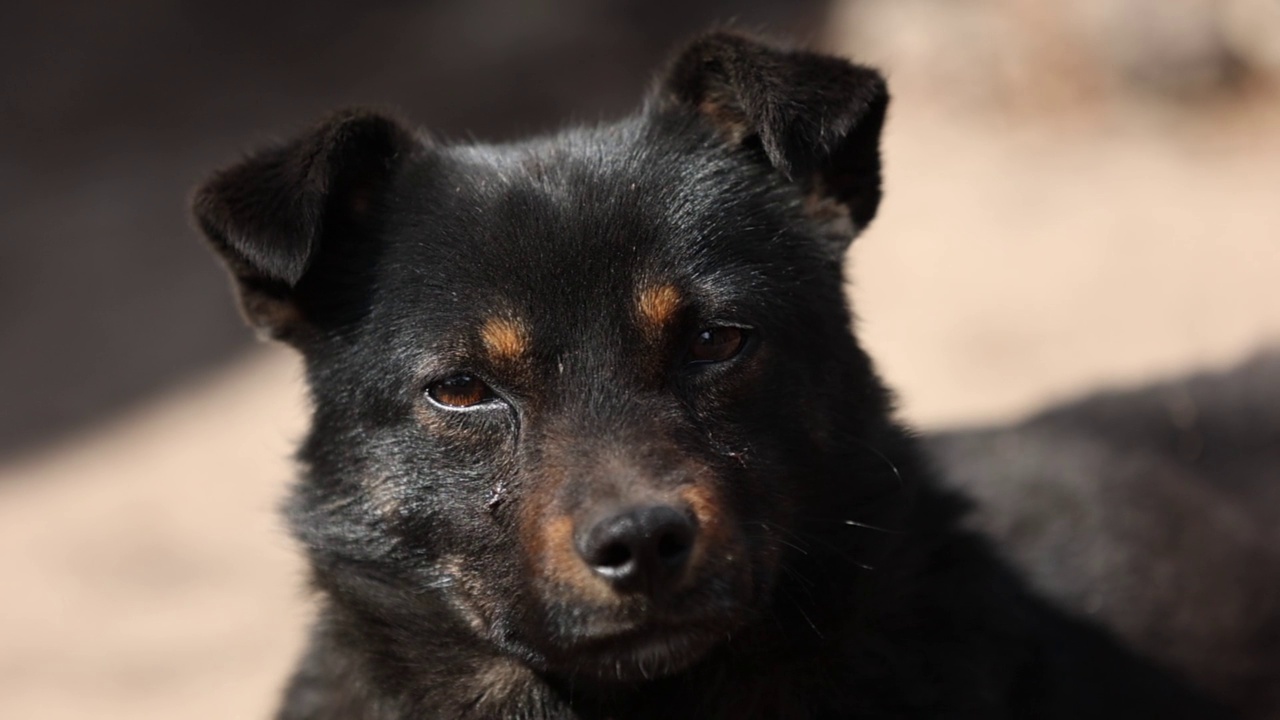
800 609
812 538
896 473
868 526
795 547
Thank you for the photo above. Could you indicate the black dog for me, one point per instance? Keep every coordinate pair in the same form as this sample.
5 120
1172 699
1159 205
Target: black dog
592 437
1154 509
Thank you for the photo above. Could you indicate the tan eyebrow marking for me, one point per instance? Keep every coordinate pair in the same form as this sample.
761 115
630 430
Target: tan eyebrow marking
504 338
657 306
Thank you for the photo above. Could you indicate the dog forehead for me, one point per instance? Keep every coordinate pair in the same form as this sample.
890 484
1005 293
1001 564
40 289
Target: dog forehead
587 232
521 220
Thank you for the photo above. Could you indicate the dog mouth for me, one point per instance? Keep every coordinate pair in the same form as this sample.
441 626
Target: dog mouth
636 638
641 654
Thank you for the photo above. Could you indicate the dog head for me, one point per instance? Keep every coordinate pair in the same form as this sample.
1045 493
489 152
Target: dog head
587 398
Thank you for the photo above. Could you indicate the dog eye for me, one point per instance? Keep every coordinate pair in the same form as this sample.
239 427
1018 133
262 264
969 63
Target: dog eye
716 344
460 391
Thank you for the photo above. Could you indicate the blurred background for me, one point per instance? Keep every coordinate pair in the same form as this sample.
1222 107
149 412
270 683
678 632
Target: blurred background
1078 195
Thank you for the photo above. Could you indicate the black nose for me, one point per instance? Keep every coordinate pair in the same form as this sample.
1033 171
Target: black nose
641 549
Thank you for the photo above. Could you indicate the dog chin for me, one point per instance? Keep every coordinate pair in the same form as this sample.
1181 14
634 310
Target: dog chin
639 656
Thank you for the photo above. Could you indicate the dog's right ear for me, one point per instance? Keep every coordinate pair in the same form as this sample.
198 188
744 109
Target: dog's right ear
275 214
817 118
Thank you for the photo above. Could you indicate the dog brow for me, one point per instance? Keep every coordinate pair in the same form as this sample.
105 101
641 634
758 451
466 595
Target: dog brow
504 338
657 306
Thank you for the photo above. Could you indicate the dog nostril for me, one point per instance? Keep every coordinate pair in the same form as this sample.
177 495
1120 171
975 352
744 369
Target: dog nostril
673 547
640 549
614 555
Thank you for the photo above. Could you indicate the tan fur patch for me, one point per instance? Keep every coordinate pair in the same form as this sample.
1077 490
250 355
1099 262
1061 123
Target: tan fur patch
471 606
560 564
727 118
382 496
499 681
273 318
831 216
504 338
719 544
657 307
708 508
547 537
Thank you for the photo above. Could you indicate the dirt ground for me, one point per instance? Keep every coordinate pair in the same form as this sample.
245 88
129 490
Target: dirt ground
1014 263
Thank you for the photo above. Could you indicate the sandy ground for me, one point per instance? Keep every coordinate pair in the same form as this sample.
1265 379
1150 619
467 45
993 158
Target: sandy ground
146 575
1013 264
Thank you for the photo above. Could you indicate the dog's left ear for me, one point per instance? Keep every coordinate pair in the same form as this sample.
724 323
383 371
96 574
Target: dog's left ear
817 118
292 222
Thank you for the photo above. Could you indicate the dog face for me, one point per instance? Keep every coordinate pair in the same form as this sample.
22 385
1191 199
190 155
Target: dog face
576 400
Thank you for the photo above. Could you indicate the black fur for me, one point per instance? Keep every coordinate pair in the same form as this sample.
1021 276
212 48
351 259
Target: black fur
831 577
1155 510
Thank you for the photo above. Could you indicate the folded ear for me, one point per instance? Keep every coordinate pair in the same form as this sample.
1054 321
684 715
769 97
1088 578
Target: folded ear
275 214
816 117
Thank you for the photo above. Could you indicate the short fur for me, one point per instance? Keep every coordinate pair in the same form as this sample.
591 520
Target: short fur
830 576
1155 510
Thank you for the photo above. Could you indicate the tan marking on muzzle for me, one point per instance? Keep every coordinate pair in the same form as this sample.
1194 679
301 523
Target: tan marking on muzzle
558 562
714 530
